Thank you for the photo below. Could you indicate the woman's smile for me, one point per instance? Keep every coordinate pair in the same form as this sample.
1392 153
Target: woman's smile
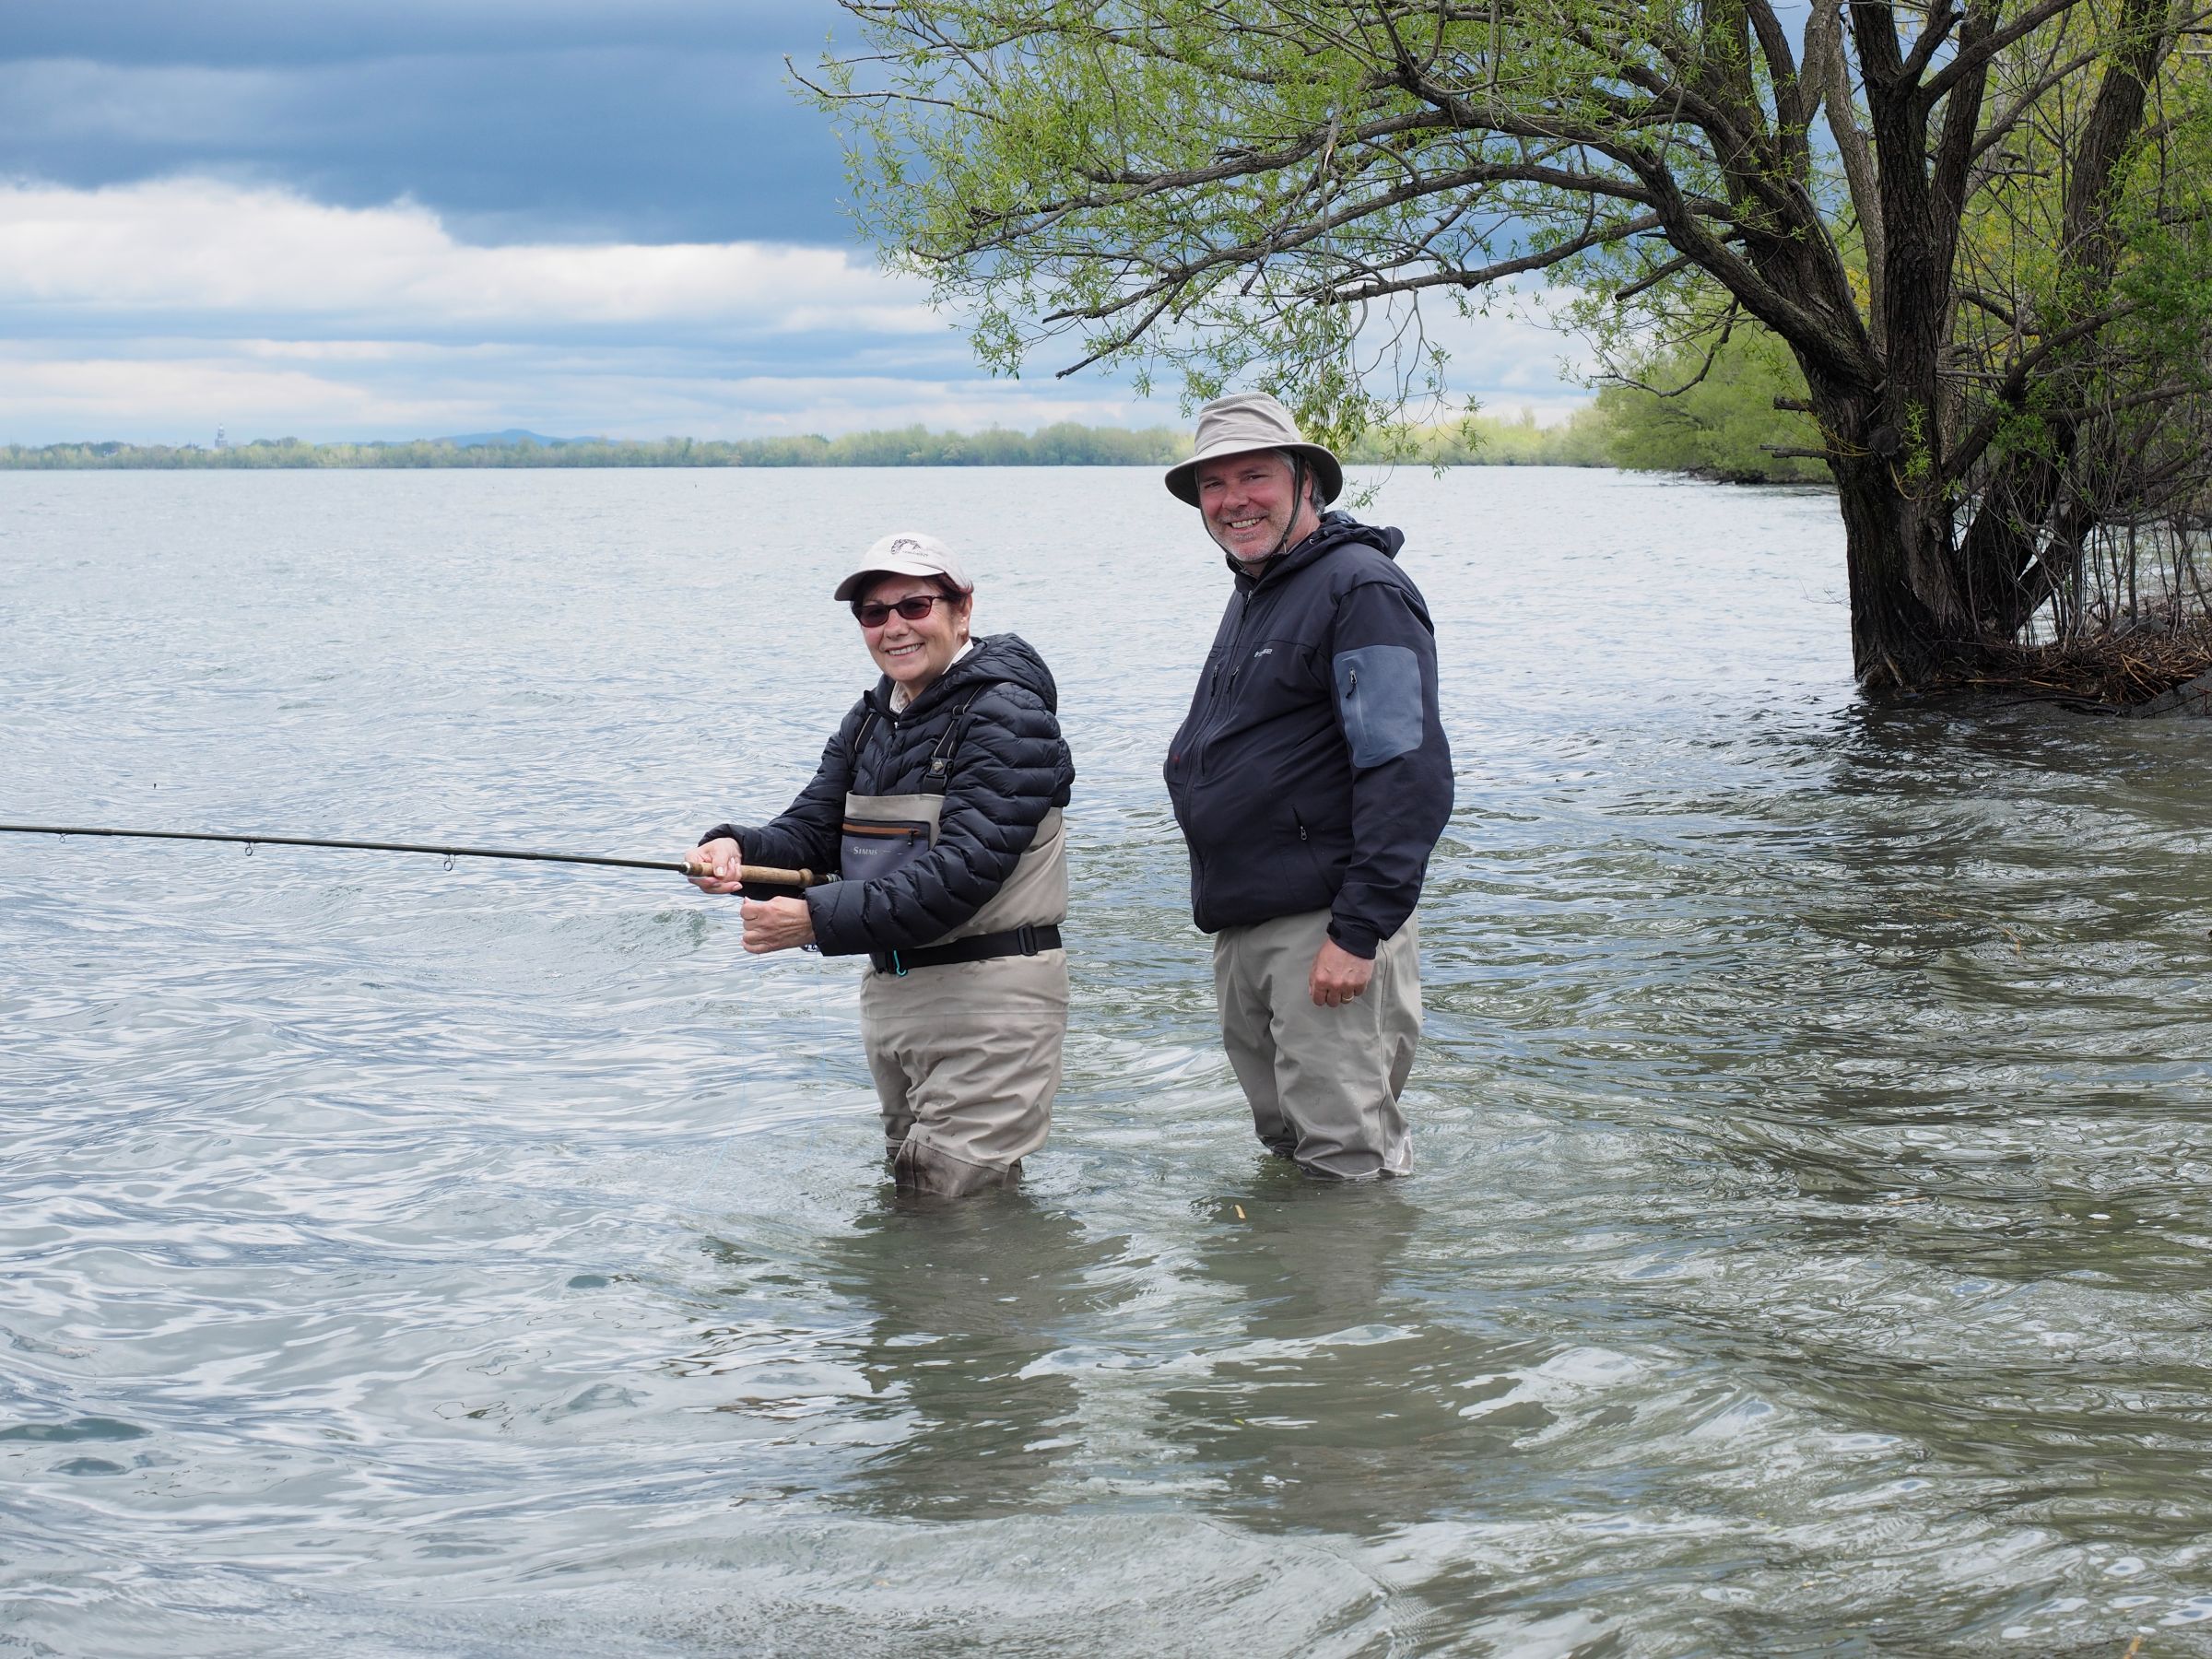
914 650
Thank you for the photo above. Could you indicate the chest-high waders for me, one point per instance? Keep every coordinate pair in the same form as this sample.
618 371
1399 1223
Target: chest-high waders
963 1035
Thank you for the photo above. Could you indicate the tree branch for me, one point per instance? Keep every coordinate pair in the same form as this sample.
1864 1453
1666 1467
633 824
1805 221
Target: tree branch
2011 392
1934 30
1542 260
1969 60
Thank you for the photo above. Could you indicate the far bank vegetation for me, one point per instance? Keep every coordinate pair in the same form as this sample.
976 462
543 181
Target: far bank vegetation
1714 432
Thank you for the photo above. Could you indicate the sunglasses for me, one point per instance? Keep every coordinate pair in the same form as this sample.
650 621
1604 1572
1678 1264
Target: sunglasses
913 608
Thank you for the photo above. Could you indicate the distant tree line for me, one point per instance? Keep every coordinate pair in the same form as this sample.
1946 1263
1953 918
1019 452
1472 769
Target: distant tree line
1716 430
1066 445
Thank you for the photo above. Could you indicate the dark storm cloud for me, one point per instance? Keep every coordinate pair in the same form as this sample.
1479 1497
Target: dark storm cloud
657 121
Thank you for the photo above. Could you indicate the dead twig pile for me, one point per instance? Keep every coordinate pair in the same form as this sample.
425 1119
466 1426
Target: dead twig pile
2113 671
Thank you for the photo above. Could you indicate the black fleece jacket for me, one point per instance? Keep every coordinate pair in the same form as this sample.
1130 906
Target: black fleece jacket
1312 772
1011 768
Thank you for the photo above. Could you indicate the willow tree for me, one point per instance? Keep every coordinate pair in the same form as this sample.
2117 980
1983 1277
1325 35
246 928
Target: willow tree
1976 229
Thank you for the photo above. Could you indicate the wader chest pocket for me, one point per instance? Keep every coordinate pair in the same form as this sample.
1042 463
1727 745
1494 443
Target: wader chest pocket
872 850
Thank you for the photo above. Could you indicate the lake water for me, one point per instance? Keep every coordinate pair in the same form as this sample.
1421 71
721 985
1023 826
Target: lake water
1808 1249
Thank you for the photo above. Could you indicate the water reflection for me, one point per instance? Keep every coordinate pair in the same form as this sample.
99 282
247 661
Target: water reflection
1327 1401
963 1298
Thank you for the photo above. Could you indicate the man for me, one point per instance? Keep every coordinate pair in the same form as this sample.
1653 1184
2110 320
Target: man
1311 779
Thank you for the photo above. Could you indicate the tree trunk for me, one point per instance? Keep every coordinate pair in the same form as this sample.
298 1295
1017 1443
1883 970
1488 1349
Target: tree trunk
1897 553
1897 642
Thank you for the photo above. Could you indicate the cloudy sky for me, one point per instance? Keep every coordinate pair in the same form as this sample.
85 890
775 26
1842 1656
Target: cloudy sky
409 217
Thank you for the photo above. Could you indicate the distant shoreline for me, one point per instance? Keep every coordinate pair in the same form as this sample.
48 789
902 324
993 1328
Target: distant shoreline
1647 436
915 446
1496 442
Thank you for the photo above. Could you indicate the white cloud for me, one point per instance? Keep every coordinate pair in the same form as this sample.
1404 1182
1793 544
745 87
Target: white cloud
158 312
1510 357
172 393
203 249
189 397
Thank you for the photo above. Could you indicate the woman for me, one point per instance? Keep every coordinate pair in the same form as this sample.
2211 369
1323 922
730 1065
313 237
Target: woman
938 803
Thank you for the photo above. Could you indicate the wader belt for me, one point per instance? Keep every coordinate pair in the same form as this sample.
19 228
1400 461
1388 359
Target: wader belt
976 948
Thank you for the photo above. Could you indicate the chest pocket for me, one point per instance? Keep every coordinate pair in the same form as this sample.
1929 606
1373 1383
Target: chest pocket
1282 667
874 848
884 834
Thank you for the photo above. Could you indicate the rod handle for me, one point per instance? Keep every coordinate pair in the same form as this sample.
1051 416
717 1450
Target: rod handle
766 875
769 876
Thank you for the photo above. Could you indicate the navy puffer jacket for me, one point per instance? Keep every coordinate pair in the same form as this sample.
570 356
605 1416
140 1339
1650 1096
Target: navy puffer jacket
1011 768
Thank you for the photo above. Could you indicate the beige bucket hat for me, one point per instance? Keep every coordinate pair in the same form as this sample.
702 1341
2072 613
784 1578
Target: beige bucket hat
1244 421
906 553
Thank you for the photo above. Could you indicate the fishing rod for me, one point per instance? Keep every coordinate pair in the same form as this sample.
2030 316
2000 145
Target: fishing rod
757 875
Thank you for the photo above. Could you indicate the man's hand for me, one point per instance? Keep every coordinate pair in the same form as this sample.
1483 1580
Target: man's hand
1338 975
713 866
776 924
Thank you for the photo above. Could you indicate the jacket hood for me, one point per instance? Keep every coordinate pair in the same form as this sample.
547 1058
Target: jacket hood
996 657
1335 530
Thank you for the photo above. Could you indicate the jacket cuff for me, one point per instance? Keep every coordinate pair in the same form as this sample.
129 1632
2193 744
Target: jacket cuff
1356 937
721 830
822 912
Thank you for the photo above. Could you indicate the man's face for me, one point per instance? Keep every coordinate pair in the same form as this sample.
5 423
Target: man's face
1247 502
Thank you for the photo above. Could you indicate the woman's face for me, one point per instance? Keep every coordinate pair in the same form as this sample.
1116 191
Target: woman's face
914 652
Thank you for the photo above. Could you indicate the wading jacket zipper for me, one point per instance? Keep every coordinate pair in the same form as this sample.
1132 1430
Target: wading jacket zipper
1221 700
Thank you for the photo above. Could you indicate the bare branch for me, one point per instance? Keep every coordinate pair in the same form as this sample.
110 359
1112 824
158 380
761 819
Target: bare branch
2012 392
1936 29
1540 261
1971 60
1673 267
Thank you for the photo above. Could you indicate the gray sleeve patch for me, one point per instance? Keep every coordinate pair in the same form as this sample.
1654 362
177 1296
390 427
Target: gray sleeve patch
1379 696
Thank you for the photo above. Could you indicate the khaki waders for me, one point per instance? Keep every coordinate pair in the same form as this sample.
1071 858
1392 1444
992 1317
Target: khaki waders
1323 1082
966 1056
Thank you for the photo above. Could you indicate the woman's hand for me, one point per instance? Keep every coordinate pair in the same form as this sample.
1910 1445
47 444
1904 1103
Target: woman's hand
713 866
776 924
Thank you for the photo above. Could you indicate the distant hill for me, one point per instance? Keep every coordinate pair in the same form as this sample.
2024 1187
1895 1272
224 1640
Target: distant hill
511 435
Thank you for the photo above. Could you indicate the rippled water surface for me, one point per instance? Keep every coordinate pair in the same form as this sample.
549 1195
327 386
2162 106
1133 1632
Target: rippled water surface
1808 1249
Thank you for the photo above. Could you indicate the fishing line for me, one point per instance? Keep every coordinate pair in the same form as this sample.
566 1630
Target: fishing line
759 875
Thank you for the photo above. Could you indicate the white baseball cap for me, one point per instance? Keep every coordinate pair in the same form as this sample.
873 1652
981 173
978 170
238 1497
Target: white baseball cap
907 553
